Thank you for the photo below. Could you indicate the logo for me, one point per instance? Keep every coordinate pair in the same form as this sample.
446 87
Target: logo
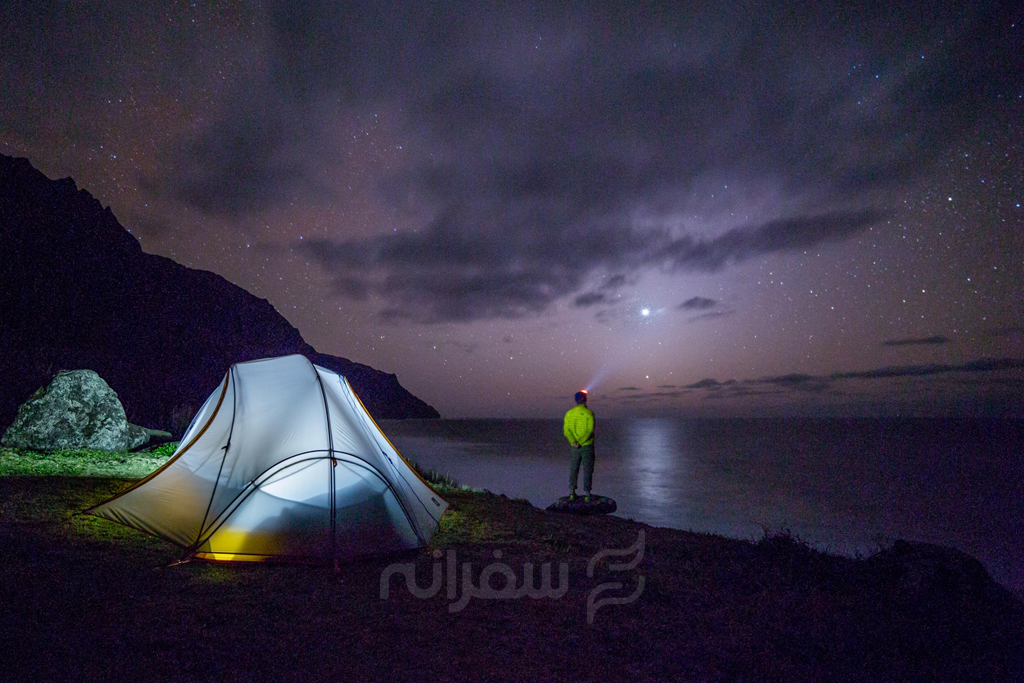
595 603
512 585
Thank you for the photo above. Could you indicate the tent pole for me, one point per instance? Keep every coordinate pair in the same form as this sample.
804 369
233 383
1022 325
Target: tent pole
231 431
334 536
334 463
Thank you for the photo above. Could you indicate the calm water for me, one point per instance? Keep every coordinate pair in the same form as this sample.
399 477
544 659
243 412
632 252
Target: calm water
844 485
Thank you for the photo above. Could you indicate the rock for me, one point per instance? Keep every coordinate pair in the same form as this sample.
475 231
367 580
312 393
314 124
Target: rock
598 505
77 410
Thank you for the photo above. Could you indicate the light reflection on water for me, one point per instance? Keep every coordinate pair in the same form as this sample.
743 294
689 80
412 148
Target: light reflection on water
843 485
658 464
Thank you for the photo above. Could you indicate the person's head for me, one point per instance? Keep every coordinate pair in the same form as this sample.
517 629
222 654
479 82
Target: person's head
581 398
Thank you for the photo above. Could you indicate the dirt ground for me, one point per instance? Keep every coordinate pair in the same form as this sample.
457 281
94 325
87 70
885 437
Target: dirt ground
84 599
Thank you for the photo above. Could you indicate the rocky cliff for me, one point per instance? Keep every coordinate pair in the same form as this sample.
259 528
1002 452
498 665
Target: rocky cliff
77 291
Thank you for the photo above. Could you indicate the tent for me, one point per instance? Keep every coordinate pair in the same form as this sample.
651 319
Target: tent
282 462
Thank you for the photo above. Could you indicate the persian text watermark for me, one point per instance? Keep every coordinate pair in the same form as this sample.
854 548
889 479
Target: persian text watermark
447 574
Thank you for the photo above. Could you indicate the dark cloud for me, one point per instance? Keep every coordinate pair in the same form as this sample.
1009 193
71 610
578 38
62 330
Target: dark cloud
981 365
697 303
936 340
614 282
555 144
461 347
711 315
798 382
445 275
651 395
741 392
1009 331
149 224
789 234
262 147
352 287
459 269
629 388
589 299
235 167
817 384
793 379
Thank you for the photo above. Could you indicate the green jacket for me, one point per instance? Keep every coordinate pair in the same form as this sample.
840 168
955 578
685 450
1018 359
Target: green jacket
579 425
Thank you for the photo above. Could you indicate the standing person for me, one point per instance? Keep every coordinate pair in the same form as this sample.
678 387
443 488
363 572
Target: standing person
578 428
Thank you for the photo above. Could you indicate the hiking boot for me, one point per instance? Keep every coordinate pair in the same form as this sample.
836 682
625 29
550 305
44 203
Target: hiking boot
572 495
586 497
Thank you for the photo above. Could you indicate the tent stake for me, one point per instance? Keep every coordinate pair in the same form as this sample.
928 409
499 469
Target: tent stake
182 560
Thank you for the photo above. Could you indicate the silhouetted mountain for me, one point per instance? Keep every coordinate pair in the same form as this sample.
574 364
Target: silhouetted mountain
77 291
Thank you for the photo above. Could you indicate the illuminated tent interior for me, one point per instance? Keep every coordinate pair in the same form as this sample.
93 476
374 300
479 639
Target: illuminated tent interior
282 462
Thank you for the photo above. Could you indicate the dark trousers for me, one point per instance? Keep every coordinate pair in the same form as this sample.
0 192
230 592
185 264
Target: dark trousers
585 455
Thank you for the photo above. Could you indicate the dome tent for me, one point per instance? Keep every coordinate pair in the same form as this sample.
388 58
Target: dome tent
282 462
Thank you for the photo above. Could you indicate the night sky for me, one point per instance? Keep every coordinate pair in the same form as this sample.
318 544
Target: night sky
709 209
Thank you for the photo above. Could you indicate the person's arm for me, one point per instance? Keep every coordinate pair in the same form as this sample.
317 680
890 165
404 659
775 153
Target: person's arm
567 430
588 427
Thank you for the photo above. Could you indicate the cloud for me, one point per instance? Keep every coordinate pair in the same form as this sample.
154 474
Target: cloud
936 340
614 282
794 379
547 147
237 165
709 383
820 383
589 299
980 365
461 347
798 382
150 224
742 391
651 395
711 315
740 244
458 269
629 388
1009 331
697 303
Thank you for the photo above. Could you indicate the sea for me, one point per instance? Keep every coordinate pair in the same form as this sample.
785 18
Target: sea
847 486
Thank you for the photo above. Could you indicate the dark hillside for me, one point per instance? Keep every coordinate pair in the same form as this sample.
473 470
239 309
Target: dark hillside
77 291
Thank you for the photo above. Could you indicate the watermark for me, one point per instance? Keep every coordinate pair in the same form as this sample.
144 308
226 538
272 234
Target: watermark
637 549
446 575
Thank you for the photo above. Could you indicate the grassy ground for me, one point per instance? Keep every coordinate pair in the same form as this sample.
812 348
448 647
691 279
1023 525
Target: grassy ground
84 599
84 463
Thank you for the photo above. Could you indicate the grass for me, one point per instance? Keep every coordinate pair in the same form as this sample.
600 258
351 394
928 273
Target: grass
133 465
87 599
83 463
440 481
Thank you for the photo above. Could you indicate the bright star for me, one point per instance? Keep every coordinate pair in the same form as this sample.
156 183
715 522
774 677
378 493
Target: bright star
646 311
